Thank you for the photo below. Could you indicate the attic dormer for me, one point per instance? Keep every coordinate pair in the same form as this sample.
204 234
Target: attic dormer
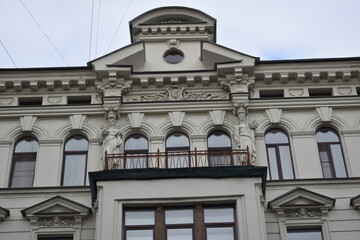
173 23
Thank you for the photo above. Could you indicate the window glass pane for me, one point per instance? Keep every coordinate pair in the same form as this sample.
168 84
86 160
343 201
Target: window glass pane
276 136
286 163
139 217
74 170
76 143
274 172
178 216
139 235
218 159
219 139
136 142
304 234
136 160
326 135
23 174
179 234
338 159
223 233
178 159
216 215
27 144
325 161
177 140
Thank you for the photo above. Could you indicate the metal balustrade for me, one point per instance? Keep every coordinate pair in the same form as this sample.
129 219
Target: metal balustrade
178 159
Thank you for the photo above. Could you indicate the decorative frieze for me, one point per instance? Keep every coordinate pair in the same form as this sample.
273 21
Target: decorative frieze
56 221
7 101
302 213
344 90
54 100
296 92
177 94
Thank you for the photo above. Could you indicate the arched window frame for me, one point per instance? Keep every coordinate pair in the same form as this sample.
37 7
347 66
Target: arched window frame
22 157
334 172
220 156
279 161
179 154
136 158
72 153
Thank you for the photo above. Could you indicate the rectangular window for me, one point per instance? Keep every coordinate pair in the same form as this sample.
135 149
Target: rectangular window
79 100
30 101
320 92
273 93
180 223
55 238
304 234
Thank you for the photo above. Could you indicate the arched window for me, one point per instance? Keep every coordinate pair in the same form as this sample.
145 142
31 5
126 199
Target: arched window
75 158
177 150
23 163
136 150
219 149
331 156
279 155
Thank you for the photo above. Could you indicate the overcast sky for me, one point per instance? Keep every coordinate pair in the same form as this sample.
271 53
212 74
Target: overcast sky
269 29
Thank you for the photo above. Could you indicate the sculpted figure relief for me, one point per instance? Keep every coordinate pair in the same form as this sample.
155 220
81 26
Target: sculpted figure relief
111 137
244 133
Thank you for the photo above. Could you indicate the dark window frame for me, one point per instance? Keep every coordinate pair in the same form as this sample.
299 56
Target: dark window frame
329 154
16 159
184 149
136 151
306 229
72 153
220 149
198 226
277 146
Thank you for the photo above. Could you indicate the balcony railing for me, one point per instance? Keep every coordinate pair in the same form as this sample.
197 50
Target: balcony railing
177 159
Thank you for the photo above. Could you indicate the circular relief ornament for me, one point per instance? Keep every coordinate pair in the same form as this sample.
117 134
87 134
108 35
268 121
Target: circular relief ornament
173 55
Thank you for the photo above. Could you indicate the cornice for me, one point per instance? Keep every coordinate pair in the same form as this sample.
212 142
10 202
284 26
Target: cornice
304 103
52 111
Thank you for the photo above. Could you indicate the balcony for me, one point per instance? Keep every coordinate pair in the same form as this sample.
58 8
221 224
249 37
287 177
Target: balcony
169 160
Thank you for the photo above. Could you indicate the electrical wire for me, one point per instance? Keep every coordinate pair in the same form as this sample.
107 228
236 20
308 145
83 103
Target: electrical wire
119 26
43 32
8 54
97 28
91 28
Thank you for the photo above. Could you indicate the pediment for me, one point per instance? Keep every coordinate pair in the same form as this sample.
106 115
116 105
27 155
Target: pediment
56 206
131 55
216 54
355 202
301 198
3 213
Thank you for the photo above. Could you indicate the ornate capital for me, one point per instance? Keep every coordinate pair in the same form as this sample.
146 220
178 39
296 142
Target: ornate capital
114 86
238 82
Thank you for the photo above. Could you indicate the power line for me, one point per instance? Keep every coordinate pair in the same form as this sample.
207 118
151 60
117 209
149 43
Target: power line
91 28
97 28
8 54
119 26
44 33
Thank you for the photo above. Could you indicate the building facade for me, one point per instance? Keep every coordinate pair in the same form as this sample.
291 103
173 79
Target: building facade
177 137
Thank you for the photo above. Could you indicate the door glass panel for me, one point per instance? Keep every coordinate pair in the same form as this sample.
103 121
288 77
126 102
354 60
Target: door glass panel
139 235
325 135
180 234
179 216
77 143
221 233
215 215
286 164
177 140
219 139
139 217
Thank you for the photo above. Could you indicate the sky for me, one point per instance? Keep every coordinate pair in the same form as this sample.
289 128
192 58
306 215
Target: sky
73 32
